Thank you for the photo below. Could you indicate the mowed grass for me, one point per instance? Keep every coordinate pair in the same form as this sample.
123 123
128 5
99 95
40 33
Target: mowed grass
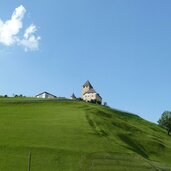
64 135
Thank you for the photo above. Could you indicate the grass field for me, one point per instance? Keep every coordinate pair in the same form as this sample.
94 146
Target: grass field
65 135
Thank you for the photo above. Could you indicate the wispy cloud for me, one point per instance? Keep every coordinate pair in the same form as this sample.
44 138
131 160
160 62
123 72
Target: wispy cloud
30 41
10 29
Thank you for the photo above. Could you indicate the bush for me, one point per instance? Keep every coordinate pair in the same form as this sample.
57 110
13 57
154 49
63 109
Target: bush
165 121
95 102
79 99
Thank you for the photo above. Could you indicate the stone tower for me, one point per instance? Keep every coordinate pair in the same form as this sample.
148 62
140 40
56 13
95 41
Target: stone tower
86 87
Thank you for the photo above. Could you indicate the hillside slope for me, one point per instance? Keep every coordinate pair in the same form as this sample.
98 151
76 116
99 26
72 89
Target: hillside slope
66 135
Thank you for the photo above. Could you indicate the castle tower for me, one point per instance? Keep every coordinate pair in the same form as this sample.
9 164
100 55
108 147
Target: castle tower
86 87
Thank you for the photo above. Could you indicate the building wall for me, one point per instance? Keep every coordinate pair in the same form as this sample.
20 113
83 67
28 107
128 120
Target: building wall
92 96
89 96
41 96
98 98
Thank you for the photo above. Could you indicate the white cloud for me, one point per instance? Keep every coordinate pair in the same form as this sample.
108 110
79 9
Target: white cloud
10 29
30 41
31 29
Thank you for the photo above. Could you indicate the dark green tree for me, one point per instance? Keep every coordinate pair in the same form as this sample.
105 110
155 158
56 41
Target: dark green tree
165 121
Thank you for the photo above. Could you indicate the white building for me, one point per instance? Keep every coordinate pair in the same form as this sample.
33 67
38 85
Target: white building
89 94
45 95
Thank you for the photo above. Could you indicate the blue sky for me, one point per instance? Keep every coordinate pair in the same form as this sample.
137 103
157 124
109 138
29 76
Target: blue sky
122 46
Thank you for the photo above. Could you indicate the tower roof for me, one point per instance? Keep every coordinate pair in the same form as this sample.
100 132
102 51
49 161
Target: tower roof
88 84
73 95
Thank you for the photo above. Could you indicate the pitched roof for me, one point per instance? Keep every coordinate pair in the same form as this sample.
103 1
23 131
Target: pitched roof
90 91
73 95
45 93
88 84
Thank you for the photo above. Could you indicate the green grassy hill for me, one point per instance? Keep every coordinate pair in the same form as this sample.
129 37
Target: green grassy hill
75 136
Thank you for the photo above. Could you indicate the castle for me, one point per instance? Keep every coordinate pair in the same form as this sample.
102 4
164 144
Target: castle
89 94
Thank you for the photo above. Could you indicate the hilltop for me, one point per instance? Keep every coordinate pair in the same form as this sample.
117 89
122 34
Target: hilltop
70 135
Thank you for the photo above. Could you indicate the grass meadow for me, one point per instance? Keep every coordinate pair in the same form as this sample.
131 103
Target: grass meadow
65 135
